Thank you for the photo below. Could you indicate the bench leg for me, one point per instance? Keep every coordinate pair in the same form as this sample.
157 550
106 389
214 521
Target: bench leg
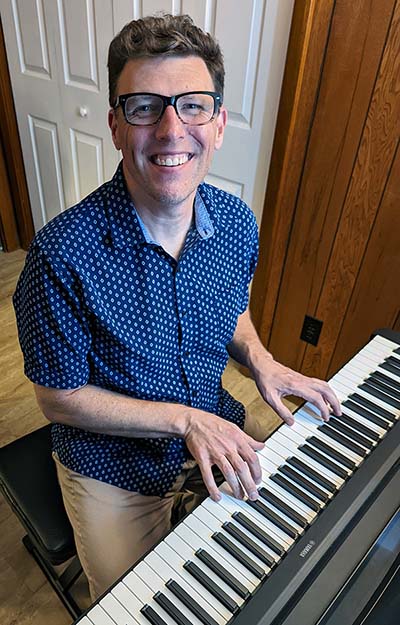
61 584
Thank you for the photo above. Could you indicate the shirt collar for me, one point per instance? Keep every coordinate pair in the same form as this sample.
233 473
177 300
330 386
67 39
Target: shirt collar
126 226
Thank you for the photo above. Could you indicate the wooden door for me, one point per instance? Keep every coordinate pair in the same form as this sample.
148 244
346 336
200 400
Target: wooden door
332 212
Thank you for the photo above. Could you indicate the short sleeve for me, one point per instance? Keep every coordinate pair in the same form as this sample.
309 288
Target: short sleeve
52 328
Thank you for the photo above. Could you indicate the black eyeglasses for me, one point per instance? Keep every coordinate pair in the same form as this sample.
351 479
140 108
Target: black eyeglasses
194 108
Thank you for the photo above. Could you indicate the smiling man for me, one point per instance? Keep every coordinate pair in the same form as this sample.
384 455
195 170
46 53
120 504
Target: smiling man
131 302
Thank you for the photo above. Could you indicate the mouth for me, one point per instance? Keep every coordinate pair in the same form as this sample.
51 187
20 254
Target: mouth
171 160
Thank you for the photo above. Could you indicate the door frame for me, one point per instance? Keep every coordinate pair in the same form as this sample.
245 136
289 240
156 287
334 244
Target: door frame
16 221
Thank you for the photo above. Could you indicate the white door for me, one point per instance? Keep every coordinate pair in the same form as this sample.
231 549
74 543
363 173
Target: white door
57 54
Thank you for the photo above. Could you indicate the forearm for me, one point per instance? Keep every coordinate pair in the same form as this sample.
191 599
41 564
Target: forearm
106 412
246 347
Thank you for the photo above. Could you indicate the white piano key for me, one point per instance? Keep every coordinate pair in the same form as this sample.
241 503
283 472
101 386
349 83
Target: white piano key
268 469
145 594
387 343
204 533
130 601
164 570
285 453
346 382
231 505
84 621
291 440
366 364
195 541
342 392
98 616
207 513
152 579
116 610
274 453
187 553
289 499
177 561
302 425
228 505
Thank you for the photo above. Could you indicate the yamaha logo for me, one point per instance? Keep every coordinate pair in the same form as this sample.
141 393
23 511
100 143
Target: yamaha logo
307 549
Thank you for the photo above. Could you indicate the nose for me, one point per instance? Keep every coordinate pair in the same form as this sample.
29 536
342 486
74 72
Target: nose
170 126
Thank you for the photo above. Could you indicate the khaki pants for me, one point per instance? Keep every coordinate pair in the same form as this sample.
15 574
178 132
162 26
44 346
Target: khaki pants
114 527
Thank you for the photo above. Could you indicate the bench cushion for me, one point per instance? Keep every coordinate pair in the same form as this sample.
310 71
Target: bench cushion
28 479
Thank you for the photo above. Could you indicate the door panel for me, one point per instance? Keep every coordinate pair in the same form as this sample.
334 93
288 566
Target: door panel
353 135
63 48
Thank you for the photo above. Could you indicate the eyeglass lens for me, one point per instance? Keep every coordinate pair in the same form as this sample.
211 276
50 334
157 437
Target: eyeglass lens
192 108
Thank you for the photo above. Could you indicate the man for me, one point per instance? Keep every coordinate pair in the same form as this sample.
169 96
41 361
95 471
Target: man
131 301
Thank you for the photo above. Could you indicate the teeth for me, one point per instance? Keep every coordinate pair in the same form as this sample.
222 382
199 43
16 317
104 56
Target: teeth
171 161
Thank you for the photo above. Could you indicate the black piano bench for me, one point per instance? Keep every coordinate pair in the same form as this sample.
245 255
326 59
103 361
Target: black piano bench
28 480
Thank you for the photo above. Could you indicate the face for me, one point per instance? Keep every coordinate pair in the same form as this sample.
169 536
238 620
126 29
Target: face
149 150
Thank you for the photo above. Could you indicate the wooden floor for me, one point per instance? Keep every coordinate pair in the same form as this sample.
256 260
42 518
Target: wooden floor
25 595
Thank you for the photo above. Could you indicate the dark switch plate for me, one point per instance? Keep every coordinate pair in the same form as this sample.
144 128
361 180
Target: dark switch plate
311 330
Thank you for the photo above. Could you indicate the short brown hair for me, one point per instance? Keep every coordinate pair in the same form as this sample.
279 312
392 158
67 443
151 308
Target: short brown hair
173 35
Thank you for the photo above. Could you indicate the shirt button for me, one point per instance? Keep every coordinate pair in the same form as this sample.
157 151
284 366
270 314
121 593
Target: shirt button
195 393
186 353
184 313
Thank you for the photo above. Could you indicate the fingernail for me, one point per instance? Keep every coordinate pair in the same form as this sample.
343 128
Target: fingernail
253 496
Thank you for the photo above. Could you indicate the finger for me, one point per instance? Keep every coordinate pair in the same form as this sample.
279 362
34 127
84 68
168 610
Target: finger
246 477
209 481
253 462
333 402
282 411
231 477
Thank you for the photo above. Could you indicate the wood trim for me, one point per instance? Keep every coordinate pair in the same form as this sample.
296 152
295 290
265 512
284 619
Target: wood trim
307 43
8 224
12 149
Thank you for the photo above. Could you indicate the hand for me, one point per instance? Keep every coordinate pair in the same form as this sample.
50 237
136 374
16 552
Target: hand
214 441
275 381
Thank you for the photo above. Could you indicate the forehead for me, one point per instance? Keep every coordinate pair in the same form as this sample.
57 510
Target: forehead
166 75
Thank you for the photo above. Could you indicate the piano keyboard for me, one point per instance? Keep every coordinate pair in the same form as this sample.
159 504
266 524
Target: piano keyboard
212 564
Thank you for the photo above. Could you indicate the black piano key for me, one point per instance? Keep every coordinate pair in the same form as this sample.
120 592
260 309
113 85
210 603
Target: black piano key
326 462
397 351
331 451
170 609
225 575
152 615
389 367
382 386
360 427
259 533
376 392
386 379
311 472
283 507
269 514
356 436
370 405
249 544
212 588
304 483
296 492
367 414
393 360
343 440
240 556
190 603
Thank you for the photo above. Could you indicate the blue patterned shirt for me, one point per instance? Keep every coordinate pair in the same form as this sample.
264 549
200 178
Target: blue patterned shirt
99 302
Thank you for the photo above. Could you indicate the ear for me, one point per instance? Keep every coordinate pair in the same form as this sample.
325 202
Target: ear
113 124
220 127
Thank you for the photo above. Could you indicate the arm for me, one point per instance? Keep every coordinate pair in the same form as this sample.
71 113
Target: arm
274 380
210 439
